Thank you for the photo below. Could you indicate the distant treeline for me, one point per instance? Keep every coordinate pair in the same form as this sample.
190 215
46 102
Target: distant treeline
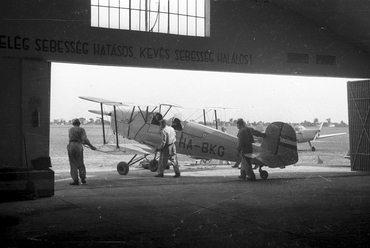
83 121
231 122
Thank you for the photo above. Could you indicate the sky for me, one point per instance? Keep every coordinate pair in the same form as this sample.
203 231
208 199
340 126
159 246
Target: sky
253 97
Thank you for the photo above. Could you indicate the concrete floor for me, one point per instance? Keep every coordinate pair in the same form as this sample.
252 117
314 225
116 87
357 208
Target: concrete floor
208 207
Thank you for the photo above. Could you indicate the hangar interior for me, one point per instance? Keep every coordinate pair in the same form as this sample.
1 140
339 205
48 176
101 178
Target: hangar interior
283 37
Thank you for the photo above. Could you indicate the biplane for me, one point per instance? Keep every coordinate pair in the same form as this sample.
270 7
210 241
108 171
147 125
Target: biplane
141 124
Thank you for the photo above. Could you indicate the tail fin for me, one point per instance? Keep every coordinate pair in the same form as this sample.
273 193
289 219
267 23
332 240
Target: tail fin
279 146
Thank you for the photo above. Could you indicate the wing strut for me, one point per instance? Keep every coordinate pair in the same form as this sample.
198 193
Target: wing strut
146 114
204 117
141 112
115 123
132 114
166 111
216 118
102 121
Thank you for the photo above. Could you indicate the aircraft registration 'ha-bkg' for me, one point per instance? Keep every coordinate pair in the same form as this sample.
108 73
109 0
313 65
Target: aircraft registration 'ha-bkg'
141 124
308 135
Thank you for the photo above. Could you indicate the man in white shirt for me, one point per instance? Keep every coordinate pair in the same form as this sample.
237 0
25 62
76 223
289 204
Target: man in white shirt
167 150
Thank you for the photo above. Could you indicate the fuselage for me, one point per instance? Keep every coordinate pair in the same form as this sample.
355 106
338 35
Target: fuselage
306 135
277 149
194 139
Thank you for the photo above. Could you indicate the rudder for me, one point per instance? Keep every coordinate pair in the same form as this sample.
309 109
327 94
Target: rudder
280 144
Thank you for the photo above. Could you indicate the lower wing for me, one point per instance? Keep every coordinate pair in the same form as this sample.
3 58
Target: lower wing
126 149
329 135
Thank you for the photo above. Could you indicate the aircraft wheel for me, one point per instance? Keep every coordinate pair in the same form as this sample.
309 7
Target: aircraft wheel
122 168
153 165
264 174
313 149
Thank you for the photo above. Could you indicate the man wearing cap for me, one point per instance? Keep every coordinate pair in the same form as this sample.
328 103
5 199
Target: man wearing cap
245 140
167 150
77 138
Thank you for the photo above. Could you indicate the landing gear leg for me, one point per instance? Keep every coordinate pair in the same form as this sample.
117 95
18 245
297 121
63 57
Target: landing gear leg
312 147
123 167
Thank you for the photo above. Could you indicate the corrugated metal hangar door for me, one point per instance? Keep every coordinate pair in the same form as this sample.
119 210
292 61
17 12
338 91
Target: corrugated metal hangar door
359 124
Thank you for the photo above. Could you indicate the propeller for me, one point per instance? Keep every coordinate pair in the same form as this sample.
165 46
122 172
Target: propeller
318 131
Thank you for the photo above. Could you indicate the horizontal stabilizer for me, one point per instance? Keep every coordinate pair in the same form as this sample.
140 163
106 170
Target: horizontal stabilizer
250 155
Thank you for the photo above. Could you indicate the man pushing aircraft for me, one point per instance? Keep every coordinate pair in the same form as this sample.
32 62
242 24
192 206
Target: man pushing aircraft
167 150
245 140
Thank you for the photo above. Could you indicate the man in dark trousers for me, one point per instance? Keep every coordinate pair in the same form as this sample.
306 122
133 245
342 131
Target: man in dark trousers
77 138
245 141
167 150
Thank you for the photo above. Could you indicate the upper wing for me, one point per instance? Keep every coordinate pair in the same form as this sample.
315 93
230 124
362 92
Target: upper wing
219 108
170 105
127 149
103 101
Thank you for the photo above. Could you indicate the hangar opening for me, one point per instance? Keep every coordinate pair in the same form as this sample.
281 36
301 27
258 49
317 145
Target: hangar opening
255 98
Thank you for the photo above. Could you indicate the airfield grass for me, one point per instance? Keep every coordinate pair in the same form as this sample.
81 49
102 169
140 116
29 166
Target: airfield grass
330 150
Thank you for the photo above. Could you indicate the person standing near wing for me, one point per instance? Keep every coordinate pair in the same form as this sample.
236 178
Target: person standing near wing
77 138
245 141
167 150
